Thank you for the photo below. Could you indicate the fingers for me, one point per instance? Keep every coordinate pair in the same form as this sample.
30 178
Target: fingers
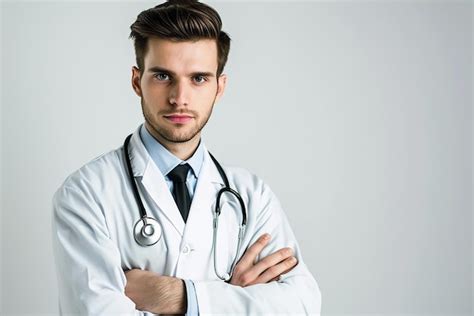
240 274
131 273
273 273
269 262
249 272
288 270
252 252
278 276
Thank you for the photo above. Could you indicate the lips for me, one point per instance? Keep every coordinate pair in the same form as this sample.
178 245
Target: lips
179 119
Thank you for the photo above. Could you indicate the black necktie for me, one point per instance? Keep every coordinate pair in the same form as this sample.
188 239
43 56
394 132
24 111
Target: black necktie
180 190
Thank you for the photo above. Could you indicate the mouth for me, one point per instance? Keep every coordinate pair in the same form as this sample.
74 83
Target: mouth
178 119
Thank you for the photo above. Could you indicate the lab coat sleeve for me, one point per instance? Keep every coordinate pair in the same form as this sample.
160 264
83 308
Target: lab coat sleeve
296 293
193 308
90 278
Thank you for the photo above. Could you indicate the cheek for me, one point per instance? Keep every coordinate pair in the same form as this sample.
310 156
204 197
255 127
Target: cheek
154 93
149 86
206 95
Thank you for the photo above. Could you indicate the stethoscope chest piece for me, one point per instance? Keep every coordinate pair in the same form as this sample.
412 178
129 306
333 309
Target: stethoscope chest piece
147 231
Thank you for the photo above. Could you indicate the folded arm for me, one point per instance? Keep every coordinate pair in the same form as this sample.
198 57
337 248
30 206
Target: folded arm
295 293
165 295
255 286
91 280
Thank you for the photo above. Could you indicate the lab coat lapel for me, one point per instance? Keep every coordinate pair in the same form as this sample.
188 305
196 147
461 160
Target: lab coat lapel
202 206
154 183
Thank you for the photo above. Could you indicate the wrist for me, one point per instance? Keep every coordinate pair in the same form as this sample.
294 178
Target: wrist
171 296
178 300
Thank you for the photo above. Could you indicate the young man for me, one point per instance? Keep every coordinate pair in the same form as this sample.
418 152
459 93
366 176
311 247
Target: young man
105 268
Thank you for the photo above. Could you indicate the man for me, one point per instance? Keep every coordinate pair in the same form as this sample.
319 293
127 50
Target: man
181 52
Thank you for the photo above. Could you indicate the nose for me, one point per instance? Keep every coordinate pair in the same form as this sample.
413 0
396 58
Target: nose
179 94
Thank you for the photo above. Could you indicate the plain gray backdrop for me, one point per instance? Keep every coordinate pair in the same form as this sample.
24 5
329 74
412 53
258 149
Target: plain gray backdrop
358 114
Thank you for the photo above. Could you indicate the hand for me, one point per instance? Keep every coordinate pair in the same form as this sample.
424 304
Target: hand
156 293
268 269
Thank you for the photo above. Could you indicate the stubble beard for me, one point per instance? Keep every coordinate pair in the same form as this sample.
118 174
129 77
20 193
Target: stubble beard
171 134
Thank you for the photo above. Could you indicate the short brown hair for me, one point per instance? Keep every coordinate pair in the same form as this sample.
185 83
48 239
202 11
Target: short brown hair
180 20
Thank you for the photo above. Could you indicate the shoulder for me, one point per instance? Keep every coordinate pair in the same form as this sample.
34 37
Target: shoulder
94 175
262 205
248 184
242 176
79 202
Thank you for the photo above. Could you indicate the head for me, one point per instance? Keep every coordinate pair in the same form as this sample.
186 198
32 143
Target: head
180 52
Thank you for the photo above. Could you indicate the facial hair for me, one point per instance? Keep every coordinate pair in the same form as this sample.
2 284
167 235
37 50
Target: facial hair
170 134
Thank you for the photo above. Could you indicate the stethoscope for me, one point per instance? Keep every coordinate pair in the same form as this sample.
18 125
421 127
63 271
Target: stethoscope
147 230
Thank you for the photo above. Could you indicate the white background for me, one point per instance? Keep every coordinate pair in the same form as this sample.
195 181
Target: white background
358 114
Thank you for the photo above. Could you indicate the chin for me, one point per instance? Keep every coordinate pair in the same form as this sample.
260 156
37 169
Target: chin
179 138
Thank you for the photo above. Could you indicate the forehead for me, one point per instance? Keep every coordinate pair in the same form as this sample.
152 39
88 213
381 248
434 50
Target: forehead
198 55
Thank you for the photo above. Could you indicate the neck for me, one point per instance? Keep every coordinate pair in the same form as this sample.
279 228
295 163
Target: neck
183 151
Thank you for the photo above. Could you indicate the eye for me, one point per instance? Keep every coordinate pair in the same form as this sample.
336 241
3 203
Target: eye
161 76
200 79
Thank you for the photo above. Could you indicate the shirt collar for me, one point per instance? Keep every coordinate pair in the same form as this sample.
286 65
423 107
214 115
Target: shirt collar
165 160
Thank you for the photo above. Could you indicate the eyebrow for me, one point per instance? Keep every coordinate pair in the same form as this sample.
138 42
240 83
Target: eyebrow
164 70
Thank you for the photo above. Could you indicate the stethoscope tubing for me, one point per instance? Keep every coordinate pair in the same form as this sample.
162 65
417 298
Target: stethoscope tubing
144 239
141 208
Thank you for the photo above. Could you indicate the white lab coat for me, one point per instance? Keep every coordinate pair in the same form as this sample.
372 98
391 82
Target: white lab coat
94 213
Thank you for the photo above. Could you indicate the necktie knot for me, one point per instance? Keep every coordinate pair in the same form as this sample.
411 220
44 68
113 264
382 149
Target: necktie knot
180 173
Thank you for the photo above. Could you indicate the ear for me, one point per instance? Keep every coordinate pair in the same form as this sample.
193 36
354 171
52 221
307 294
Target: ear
136 81
221 84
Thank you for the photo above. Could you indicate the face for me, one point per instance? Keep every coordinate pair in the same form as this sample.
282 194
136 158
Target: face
178 88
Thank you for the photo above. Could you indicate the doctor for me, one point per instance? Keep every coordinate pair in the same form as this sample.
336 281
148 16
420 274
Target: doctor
103 267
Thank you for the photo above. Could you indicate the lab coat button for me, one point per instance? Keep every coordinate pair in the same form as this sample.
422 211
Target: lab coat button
186 249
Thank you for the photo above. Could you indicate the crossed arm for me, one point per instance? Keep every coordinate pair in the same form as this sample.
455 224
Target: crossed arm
92 280
161 294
